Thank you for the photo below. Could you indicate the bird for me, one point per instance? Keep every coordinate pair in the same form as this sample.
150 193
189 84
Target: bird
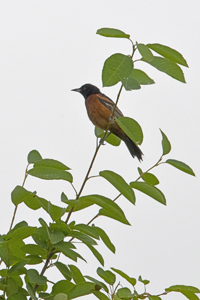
99 109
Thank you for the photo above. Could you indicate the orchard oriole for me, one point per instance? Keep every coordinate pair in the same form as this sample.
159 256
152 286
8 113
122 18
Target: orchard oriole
99 108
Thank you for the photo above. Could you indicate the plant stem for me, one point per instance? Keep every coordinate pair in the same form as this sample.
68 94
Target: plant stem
134 47
156 164
97 215
84 182
119 93
88 172
81 189
15 211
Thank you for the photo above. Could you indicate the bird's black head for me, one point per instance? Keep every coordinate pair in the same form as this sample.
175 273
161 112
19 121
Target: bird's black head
87 90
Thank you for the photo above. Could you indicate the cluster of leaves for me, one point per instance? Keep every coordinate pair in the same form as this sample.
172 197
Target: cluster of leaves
119 67
47 241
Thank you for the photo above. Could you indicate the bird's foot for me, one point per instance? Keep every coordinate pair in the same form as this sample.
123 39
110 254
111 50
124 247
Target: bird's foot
102 142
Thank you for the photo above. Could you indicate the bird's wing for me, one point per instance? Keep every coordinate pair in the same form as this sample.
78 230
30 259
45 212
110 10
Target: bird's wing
107 102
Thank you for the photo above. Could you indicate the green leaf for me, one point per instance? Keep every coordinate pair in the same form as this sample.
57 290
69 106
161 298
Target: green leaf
149 190
50 173
131 280
107 276
63 270
144 281
131 128
110 207
20 233
20 225
60 226
55 236
64 198
182 288
76 274
167 66
20 194
41 238
141 77
131 84
33 156
20 283
111 139
71 202
33 259
181 166
116 68
62 286
46 296
83 237
31 291
152 297
55 212
79 204
51 163
43 223
148 177
120 184
35 278
65 248
145 52
112 215
18 296
87 230
96 254
101 284
166 146
100 295
111 32
124 293
190 295
43 203
16 268
34 250
169 53
81 289
5 254
105 239
11 287
15 249
60 296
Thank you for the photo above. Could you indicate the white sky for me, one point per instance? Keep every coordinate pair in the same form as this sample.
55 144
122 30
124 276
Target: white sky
49 47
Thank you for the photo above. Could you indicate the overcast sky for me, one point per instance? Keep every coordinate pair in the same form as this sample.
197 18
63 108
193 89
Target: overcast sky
49 47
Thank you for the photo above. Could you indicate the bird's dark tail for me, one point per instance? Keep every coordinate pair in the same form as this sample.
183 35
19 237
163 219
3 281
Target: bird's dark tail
133 149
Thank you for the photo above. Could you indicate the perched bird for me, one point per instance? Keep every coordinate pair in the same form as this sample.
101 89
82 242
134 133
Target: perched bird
99 108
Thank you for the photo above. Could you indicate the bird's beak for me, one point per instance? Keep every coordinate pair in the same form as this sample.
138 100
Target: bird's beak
76 90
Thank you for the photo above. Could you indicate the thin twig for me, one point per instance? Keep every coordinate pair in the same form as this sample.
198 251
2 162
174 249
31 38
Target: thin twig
134 47
156 164
120 90
97 215
15 210
94 176
82 187
88 172
74 189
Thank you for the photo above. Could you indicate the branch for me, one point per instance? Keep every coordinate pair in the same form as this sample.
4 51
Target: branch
15 211
156 164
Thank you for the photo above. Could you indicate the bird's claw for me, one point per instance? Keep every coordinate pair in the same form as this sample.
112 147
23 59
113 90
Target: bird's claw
102 142
111 119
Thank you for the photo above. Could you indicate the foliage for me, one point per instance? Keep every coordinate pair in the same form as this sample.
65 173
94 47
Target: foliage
20 260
